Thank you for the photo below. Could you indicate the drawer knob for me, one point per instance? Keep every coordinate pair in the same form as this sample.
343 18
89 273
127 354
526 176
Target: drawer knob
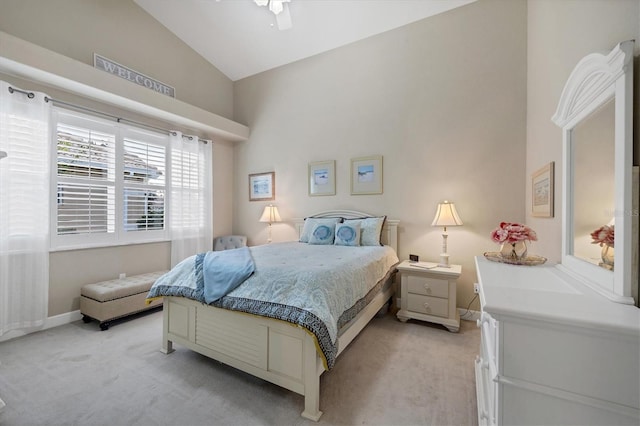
427 307
478 323
427 288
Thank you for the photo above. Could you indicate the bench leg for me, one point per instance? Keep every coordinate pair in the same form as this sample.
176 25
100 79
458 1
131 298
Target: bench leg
104 325
86 319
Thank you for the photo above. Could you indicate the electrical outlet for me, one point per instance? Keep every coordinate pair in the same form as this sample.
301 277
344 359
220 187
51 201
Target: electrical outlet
476 288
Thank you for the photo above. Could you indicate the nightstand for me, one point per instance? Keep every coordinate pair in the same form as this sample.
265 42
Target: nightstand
429 294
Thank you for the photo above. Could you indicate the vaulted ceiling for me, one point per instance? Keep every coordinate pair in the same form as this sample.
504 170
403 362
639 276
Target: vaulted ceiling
242 39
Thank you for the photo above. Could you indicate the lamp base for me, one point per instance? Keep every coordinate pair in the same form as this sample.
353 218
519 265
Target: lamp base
444 256
444 261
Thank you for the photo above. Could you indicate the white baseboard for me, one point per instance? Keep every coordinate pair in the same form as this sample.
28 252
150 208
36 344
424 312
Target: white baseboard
50 322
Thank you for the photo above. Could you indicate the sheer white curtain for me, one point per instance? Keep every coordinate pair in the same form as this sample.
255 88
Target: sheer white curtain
190 201
24 209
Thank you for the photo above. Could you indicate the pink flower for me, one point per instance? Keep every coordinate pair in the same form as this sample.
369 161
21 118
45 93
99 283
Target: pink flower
499 235
605 235
509 232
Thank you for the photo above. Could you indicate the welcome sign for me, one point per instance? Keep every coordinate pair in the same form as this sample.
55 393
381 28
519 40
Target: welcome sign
104 64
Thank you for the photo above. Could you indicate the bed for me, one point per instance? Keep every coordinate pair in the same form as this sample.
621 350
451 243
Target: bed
290 345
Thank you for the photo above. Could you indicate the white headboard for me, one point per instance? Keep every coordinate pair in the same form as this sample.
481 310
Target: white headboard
389 230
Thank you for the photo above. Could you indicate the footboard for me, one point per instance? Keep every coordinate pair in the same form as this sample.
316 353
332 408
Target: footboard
273 350
281 353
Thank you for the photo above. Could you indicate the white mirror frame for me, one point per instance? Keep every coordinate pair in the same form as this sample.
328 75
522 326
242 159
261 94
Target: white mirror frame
595 80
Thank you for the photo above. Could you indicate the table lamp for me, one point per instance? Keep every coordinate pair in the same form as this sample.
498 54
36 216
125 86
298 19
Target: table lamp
446 215
270 215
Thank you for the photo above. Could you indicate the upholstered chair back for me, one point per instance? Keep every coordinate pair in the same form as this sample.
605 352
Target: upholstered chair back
227 242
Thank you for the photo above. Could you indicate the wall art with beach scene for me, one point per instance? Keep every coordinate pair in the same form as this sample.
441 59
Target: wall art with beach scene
322 178
366 175
542 182
262 186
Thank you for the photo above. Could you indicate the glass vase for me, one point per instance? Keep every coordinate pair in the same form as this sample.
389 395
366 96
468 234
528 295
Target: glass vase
607 255
514 251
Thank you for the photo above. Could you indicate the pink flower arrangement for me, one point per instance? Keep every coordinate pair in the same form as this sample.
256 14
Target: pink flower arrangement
604 235
511 233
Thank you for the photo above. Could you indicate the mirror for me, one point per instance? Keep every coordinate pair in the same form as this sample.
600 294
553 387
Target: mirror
595 113
594 177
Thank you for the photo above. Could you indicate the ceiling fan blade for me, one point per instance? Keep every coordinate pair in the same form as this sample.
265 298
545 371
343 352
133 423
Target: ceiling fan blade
283 19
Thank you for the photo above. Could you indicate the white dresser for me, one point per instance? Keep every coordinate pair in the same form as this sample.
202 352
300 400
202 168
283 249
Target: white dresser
553 352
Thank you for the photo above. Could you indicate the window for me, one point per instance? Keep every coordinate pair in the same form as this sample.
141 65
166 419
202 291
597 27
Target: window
110 182
144 175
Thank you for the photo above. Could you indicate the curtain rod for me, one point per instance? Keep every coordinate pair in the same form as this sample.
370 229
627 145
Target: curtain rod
31 95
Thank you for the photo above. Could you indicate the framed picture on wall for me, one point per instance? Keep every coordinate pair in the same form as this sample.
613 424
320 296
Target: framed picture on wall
322 178
366 175
262 186
542 183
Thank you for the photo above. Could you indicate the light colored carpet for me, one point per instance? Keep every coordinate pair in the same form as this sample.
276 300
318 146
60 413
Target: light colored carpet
393 374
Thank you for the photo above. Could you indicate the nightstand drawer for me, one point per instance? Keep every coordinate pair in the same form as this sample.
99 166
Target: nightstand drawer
428 305
427 286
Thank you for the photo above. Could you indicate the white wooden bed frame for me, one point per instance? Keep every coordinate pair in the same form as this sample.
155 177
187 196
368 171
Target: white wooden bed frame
273 350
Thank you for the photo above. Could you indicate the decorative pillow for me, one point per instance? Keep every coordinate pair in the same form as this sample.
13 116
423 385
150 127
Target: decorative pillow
311 222
370 230
322 233
347 234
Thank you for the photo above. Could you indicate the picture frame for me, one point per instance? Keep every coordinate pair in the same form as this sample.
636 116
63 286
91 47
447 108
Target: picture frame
322 178
262 186
542 191
366 175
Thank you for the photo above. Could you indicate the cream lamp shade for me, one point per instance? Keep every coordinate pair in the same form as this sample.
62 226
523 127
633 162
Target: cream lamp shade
446 215
270 215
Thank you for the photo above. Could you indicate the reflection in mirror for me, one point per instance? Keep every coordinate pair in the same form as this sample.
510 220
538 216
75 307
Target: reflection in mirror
594 184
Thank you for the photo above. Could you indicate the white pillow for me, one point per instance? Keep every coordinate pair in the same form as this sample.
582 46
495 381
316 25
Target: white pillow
347 234
370 230
322 234
311 222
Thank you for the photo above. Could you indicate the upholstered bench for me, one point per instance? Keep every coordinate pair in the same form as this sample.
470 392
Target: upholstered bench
108 300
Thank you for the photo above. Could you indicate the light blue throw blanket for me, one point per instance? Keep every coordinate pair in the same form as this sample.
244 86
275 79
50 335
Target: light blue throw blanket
206 277
225 270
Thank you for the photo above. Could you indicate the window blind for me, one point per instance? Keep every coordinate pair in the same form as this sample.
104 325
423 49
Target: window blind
86 180
187 178
144 175
110 182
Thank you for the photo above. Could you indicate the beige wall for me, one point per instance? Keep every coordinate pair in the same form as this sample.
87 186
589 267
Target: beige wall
560 33
442 100
120 30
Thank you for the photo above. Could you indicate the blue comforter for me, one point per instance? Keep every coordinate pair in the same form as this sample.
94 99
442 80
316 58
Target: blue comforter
318 287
